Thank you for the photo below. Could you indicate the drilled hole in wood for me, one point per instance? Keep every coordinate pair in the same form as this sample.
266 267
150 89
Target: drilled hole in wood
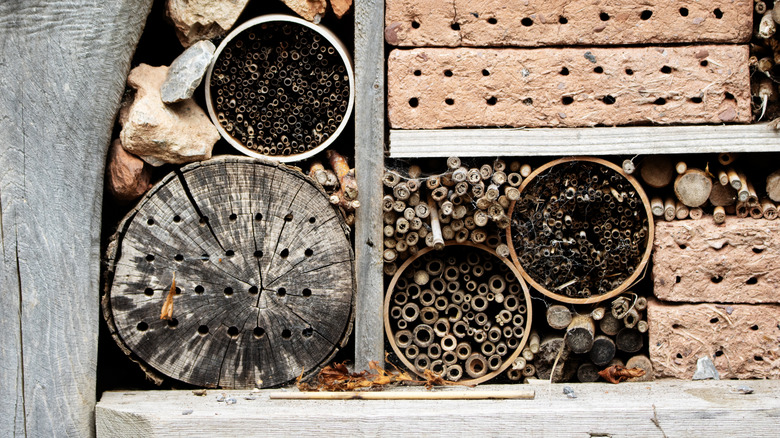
228 291
455 26
415 25
562 19
752 280
491 101
199 289
660 101
646 14
696 99
149 291
564 71
492 20
414 102
253 290
758 250
204 257
528 101
142 326
232 332
286 334
203 330
306 292
288 217
527 22
177 218
629 72
258 332
666 69
178 257
312 220
177 291
150 221
716 279
258 217
308 252
684 12
604 16
307 332
754 327
258 254
281 292
285 252
149 258
417 73
714 320
449 101
229 253
172 323
567 100
718 13
608 100
598 70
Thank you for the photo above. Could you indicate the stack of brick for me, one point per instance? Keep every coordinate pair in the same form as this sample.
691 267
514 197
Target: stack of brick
492 63
718 287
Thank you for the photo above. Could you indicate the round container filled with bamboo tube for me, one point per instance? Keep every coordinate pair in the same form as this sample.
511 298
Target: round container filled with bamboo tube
280 88
471 349
602 245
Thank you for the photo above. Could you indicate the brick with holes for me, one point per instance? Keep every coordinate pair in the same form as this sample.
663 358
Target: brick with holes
699 261
531 23
743 340
439 88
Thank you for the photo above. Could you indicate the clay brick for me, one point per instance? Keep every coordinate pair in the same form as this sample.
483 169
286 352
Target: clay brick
532 23
743 340
698 261
462 87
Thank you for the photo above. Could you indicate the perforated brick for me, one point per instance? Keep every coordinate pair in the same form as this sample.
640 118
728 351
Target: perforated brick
743 340
699 261
530 23
463 87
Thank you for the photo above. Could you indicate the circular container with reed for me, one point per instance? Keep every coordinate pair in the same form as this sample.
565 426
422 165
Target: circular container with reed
280 88
462 312
582 230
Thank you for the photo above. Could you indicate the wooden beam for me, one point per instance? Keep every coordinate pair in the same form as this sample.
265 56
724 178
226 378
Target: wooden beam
62 71
652 409
630 140
369 156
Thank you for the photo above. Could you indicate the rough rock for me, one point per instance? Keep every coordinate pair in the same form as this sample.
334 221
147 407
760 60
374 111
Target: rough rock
565 22
127 176
700 261
434 88
742 339
197 20
705 369
311 10
160 133
340 7
186 72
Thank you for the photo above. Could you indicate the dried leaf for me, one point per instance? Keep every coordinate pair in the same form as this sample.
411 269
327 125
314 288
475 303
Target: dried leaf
167 308
619 373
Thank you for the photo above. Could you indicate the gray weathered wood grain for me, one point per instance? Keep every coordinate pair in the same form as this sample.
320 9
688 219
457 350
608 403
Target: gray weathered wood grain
629 140
62 72
666 408
369 156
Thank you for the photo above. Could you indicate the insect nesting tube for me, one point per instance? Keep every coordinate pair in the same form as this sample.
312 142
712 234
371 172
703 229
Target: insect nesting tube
280 87
434 321
581 231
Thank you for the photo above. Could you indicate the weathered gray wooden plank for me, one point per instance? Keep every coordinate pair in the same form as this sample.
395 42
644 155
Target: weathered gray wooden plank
62 71
629 140
369 154
659 409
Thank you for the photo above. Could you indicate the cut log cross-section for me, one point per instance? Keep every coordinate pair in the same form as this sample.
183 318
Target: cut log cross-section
264 276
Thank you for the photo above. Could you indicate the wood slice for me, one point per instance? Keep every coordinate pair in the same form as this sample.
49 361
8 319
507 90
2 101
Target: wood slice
264 276
657 171
773 186
693 187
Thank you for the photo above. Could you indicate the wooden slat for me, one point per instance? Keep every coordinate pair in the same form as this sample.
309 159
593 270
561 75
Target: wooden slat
583 141
62 71
369 156
658 409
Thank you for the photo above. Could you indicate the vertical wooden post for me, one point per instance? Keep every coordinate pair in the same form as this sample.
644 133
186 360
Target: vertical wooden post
369 158
62 71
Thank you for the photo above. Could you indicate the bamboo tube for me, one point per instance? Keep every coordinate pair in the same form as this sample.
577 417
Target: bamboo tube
742 210
695 213
610 325
726 158
525 170
558 317
743 194
752 196
734 179
533 342
719 215
680 167
670 209
642 326
628 166
453 163
598 313
770 210
580 334
756 212
438 240
405 395
657 206
681 211
723 177
631 318
603 350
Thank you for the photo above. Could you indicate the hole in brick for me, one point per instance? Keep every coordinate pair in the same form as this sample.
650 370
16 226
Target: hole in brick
704 63
286 334
253 290
417 73
177 218
567 100
307 332
679 356
563 20
677 326
285 252
199 289
492 101
149 291
232 332
203 330
485 72
178 257
696 99
684 12
492 20
660 101
719 353
229 253
448 73
752 280
609 100
666 69
258 253
142 326
716 279
604 16
413 102
598 70
677 279
455 26
308 252
527 22
281 292
415 24
682 246
729 96
718 13
646 14
258 332
228 291
758 358
173 322
232 217
528 101
758 250
150 221
307 292
449 101
258 217
565 71
149 258
629 71
714 320
754 327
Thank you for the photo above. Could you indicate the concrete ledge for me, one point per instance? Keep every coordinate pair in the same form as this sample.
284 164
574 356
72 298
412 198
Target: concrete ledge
669 408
